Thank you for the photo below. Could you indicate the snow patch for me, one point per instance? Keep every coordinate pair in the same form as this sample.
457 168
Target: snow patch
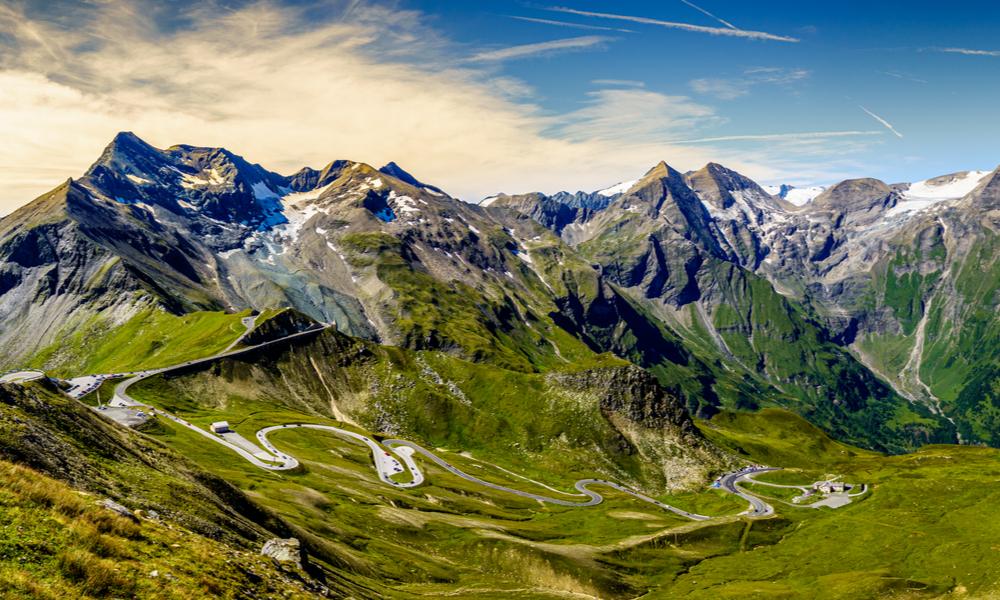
618 188
794 195
262 192
935 189
403 204
138 180
924 195
299 197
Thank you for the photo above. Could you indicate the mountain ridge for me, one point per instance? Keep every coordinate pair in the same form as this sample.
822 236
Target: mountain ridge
706 259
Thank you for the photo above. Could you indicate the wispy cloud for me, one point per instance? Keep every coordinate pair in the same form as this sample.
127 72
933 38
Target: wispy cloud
884 123
723 31
903 76
732 88
569 24
705 12
619 82
540 48
968 51
638 115
770 137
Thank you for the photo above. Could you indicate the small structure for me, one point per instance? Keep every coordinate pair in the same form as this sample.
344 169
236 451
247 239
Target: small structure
219 427
829 487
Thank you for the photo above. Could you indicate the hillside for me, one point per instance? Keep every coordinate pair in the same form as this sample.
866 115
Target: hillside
561 377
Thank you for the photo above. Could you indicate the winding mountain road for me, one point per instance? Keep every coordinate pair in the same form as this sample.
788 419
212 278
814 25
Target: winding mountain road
395 456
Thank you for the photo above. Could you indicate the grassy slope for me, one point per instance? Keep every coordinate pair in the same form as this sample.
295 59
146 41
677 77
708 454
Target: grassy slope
56 542
925 529
527 420
488 322
152 338
961 359
448 534
42 429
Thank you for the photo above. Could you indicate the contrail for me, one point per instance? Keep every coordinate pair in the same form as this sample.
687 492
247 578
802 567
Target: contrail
808 135
703 11
887 124
568 24
968 51
744 33
526 50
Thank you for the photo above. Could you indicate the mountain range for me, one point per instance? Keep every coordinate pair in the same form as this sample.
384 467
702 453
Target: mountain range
657 333
860 309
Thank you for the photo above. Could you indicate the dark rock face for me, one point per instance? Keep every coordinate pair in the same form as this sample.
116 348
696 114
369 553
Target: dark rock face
557 211
634 394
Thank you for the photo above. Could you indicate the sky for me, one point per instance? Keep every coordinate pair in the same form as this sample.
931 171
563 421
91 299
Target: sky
479 97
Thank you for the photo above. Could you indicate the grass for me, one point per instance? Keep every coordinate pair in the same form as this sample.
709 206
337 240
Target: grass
925 528
450 534
150 339
56 542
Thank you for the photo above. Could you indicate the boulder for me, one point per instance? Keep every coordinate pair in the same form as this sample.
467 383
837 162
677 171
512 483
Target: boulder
283 550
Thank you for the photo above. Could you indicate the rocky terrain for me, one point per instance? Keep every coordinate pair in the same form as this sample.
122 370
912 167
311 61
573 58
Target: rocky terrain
861 270
731 296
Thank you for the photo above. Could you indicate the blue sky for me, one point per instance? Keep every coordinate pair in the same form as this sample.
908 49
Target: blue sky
885 56
498 95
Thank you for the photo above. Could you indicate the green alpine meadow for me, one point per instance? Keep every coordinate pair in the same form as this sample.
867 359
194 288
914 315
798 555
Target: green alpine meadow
764 364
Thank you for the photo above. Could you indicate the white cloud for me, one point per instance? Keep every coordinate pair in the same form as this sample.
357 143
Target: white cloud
732 88
636 115
540 48
723 31
619 82
903 76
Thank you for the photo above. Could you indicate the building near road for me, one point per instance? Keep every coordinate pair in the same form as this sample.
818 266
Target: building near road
219 427
829 487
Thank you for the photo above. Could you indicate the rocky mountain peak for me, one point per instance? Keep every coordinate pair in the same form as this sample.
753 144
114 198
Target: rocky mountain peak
855 195
126 154
307 178
662 171
399 173
987 193
716 184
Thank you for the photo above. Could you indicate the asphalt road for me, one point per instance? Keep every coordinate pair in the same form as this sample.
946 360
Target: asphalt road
121 397
758 508
582 486
21 376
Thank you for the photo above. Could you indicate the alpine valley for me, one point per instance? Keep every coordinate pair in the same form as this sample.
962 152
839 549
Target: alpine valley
551 396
